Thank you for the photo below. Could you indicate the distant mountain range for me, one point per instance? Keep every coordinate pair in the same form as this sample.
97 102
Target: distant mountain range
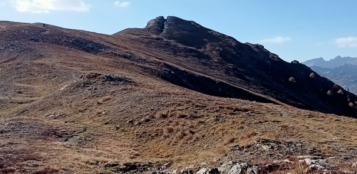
341 70
333 63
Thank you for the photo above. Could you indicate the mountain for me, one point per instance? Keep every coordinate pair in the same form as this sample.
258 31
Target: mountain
163 97
333 63
342 71
249 68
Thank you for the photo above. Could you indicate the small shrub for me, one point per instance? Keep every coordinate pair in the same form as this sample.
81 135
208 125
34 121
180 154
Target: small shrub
169 130
329 92
312 75
351 104
163 114
292 80
187 139
340 92
180 135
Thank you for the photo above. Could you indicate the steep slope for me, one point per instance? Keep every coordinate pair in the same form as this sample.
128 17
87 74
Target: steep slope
80 102
250 67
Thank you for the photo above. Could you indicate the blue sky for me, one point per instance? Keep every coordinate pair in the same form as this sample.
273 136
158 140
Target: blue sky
295 30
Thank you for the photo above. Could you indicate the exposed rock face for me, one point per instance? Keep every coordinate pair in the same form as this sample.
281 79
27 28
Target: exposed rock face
187 33
156 26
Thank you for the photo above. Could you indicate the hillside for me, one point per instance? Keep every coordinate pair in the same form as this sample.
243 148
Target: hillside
173 93
249 67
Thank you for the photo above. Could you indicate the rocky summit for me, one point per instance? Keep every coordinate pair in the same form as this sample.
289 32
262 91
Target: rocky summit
173 97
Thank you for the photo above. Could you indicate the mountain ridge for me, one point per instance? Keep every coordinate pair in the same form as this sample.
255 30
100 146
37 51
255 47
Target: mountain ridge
246 62
332 63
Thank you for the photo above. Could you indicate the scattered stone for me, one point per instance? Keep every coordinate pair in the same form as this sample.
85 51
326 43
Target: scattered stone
308 161
203 164
268 149
314 167
253 170
354 165
238 168
203 171
225 167
208 171
322 162
187 171
272 167
167 165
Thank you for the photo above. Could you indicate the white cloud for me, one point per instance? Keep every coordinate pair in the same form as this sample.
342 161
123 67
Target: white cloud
346 42
276 40
45 6
121 4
